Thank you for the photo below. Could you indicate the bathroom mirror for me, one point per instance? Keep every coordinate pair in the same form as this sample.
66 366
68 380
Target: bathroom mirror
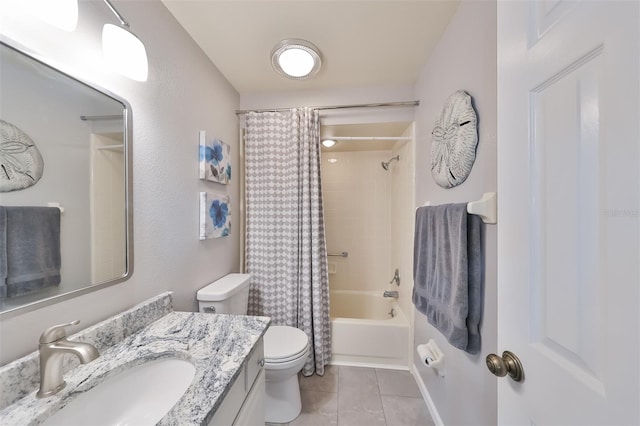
83 136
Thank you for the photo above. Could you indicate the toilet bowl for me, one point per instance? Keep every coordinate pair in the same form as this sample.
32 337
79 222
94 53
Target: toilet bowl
285 352
285 348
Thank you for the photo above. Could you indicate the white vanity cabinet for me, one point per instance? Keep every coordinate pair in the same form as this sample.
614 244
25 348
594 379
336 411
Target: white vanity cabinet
243 405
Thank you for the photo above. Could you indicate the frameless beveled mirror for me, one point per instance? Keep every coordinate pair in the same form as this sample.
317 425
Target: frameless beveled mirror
64 142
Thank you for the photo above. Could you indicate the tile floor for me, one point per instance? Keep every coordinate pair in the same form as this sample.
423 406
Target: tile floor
351 396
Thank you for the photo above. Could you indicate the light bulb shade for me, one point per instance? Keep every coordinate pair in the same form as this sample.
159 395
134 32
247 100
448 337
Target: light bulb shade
328 143
124 52
296 59
62 14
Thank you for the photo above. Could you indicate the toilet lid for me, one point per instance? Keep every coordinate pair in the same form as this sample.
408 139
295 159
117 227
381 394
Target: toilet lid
283 343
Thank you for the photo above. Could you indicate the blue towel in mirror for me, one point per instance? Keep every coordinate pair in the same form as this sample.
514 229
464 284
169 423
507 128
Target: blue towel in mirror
447 272
32 249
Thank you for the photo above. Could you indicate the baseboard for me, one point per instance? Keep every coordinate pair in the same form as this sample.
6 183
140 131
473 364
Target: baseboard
369 365
437 420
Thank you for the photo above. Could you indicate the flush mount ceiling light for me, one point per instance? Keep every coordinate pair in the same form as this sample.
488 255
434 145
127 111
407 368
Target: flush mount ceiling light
123 51
296 59
328 143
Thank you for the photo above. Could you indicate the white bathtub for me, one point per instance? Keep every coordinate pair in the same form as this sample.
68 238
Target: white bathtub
364 333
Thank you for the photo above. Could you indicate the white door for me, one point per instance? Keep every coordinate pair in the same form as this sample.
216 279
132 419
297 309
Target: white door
569 211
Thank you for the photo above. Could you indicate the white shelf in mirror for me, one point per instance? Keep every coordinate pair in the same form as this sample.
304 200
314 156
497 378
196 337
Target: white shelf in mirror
119 148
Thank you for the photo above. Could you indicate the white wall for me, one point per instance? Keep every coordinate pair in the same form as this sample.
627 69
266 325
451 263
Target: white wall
185 93
465 59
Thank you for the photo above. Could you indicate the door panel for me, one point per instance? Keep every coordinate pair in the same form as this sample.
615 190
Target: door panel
569 210
567 312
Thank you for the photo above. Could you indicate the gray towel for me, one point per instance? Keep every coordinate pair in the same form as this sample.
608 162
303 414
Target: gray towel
447 272
32 249
3 252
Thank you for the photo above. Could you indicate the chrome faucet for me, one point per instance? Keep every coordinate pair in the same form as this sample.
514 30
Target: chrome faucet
53 346
393 294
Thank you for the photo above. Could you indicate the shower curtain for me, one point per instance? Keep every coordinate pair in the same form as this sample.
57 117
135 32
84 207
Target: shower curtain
285 241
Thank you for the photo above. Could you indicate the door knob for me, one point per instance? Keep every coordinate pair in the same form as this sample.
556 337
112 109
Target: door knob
507 364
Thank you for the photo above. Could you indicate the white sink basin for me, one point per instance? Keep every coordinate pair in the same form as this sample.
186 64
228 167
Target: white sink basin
141 395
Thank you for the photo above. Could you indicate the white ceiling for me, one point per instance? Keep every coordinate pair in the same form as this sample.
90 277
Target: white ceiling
363 43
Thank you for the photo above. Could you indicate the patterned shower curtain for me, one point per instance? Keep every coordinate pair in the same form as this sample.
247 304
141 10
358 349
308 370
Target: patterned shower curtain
285 243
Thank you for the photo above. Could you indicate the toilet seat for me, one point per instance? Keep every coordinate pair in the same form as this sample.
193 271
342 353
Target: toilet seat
283 344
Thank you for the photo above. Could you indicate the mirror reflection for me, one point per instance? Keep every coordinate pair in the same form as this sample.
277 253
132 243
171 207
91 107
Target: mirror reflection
64 227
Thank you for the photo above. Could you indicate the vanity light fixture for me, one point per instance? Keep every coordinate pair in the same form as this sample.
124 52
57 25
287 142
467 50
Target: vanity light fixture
328 143
296 59
123 51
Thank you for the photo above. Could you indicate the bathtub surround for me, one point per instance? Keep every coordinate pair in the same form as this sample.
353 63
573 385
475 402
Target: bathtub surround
358 210
285 242
150 331
447 274
402 227
359 217
369 213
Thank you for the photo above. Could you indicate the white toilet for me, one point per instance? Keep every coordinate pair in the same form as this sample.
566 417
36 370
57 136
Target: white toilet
285 348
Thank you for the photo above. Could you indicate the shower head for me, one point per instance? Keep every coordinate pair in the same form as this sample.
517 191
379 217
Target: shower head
385 164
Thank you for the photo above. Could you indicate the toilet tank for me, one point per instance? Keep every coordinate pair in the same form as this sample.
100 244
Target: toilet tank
228 295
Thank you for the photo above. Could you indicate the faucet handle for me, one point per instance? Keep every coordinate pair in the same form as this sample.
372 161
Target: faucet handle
396 277
56 332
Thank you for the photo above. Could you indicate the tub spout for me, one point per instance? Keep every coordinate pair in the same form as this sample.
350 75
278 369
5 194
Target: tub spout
393 294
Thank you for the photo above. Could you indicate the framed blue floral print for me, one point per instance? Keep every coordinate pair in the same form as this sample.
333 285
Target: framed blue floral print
215 160
215 215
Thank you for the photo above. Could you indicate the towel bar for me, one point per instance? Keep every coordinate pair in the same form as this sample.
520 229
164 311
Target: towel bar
343 254
486 207
51 204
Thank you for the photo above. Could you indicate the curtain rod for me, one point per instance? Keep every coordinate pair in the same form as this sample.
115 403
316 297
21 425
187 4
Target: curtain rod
373 105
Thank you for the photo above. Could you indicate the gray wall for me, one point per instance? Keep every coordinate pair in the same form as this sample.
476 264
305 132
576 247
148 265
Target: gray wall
185 93
465 59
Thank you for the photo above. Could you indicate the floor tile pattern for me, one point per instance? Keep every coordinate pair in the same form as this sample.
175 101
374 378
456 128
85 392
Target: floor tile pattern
354 396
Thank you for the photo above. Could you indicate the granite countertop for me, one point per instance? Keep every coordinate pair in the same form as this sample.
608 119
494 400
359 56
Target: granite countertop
217 345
